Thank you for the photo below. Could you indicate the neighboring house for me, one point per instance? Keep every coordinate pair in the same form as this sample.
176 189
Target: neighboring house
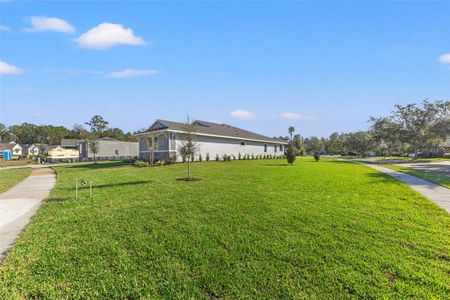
109 149
164 139
33 150
14 148
71 143
59 153
5 152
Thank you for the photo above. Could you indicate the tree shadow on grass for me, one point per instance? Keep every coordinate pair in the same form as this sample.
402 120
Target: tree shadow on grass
130 183
99 165
276 165
106 185
382 177
57 200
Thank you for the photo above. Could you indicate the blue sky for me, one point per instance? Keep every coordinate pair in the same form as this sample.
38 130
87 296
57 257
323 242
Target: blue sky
320 66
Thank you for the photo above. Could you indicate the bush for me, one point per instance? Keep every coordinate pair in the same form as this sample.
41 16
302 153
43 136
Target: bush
239 156
224 157
291 153
253 156
233 156
217 157
141 163
207 157
317 156
200 157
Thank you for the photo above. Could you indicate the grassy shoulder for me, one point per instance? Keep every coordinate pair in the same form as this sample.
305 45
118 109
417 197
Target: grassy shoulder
11 177
18 162
415 160
249 229
427 175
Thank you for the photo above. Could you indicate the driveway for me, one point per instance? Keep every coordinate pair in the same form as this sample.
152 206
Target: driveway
441 167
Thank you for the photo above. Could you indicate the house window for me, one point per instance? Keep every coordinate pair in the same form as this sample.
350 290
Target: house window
281 147
275 147
265 147
243 144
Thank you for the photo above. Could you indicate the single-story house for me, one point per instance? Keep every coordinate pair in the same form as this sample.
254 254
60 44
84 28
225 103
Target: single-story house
14 148
33 149
59 153
107 148
71 143
5 152
164 139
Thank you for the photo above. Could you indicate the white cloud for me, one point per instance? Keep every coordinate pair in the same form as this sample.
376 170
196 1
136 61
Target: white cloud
127 73
42 23
445 59
4 28
242 114
6 69
107 35
298 117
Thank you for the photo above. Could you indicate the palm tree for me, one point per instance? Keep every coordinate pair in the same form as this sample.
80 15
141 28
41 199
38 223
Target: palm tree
291 130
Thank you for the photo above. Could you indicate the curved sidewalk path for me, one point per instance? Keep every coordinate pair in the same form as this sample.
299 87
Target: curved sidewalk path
436 193
20 203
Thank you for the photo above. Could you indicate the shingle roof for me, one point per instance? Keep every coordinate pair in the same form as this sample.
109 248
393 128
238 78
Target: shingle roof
210 128
7 146
70 142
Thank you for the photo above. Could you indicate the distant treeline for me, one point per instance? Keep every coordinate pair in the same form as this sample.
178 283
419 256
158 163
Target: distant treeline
420 129
27 133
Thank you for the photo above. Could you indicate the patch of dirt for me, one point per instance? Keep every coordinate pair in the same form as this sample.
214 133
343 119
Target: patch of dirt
42 171
189 179
410 246
389 276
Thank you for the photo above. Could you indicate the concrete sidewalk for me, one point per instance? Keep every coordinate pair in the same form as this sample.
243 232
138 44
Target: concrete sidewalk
21 202
434 192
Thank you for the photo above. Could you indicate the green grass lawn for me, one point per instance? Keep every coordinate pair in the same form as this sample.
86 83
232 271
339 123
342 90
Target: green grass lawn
11 177
427 175
249 229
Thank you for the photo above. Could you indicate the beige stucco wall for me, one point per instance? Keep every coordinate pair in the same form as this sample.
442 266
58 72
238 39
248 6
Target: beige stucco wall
61 153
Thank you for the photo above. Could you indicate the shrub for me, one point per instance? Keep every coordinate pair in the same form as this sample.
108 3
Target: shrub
160 163
224 157
207 157
141 163
233 156
217 157
317 156
239 156
291 153
200 157
253 156
244 157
